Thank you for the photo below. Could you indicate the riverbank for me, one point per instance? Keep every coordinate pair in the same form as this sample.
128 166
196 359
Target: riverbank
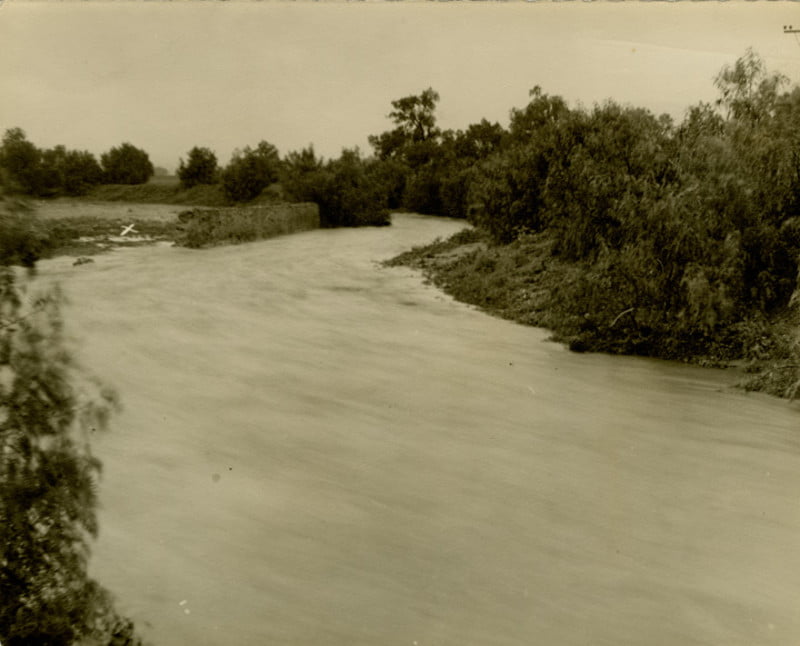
210 227
307 441
524 282
162 191
80 227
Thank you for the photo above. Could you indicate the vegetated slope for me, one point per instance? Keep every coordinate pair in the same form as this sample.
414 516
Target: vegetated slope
626 233
206 227
160 192
525 282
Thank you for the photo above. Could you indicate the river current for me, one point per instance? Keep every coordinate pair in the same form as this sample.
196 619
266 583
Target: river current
315 449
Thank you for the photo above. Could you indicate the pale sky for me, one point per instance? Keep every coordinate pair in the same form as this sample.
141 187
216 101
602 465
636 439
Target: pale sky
167 76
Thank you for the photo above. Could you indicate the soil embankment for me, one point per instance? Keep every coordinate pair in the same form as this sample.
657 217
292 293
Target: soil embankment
209 227
79 227
525 282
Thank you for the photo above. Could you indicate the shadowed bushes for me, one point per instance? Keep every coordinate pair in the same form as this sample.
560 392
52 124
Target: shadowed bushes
663 240
350 191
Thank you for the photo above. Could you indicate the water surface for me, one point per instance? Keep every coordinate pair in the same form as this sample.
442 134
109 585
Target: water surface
318 450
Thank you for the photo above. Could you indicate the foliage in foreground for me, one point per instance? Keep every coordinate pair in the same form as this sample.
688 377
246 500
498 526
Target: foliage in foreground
48 476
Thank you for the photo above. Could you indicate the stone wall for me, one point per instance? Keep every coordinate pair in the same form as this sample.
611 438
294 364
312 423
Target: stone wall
203 227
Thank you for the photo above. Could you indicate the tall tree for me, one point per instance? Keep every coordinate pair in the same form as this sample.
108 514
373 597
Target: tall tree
415 119
414 115
747 91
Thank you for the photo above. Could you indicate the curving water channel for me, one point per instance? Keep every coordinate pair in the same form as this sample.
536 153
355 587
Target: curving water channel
317 450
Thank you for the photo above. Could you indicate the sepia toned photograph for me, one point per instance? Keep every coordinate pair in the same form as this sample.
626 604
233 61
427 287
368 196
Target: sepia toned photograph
395 323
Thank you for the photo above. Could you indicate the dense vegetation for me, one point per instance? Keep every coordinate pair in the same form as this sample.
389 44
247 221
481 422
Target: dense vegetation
674 239
250 171
620 230
348 190
48 475
46 173
201 168
52 172
667 240
126 164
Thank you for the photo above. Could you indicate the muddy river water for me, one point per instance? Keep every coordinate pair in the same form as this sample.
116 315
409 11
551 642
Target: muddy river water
317 450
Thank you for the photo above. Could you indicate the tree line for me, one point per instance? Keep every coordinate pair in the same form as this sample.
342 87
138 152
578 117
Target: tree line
691 226
57 171
683 237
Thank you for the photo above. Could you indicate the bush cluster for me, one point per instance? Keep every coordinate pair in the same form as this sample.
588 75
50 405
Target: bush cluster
350 191
677 232
26 169
44 173
200 168
250 171
126 164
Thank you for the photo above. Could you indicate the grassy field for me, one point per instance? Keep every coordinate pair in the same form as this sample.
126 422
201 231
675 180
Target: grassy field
166 189
161 190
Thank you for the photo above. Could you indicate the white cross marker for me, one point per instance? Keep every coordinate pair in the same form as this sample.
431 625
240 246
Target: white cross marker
128 229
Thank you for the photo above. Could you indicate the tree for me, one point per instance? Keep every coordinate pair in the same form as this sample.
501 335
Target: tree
126 164
45 173
415 119
250 171
48 474
350 191
300 175
21 162
747 92
69 172
415 115
542 110
479 140
201 168
80 171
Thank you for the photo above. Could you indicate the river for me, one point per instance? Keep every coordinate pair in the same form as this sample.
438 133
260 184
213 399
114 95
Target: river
318 450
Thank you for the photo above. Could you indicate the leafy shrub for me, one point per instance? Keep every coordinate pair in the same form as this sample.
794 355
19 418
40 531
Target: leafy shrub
250 171
200 168
46 173
22 238
126 164
350 191
48 491
422 192
20 161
